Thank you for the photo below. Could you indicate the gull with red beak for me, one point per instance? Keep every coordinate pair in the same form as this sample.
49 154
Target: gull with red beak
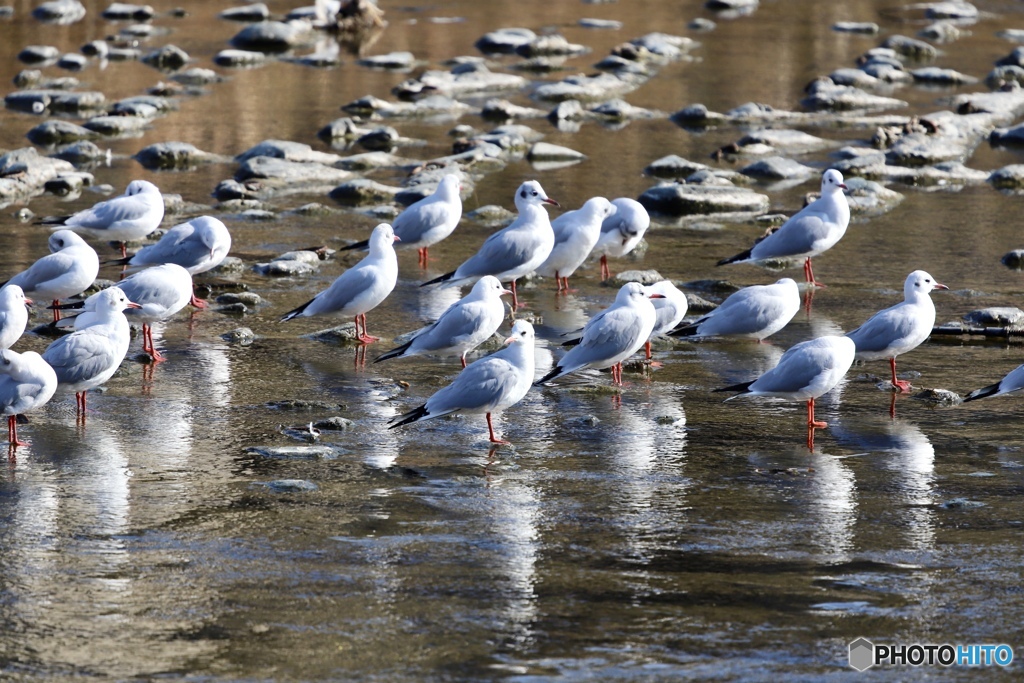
69 269
488 386
361 288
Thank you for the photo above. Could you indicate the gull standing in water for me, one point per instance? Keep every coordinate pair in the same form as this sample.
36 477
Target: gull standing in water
361 288
900 328
197 246
669 309
124 218
428 221
621 231
755 312
26 382
811 231
576 234
515 251
13 315
489 385
612 335
465 325
69 269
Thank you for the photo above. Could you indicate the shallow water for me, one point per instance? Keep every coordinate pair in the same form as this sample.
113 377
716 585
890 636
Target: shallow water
654 536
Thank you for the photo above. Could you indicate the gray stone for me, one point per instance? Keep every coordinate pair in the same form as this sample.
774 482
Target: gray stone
57 131
166 58
937 76
289 151
272 36
1013 136
289 264
869 197
644 277
503 110
346 332
673 166
504 40
38 54
998 316
674 199
304 405
281 174
1015 35
696 115
600 23
231 265
462 80
910 47
490 215
82 152
335 424
951 9
256 11
548 45
38 101
1001 75
793 141
1014 259
24 173
294 452
866 27
113 126
824 94
61 12
290 486
363 191
68 183
567 110
734 5
197 77
545 151
584 88
72 62
392 60
239 58
173 155
778 168
122 11
243 336
940 32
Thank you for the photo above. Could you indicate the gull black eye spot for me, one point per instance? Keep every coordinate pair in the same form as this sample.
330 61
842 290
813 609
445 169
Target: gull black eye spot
523 194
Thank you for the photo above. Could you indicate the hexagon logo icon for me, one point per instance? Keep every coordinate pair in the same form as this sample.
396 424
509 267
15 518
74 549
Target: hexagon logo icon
862 654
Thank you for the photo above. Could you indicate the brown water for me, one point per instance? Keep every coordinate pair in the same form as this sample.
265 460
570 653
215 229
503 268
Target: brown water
676 538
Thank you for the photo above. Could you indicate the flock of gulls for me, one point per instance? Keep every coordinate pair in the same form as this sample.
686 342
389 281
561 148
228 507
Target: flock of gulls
532 243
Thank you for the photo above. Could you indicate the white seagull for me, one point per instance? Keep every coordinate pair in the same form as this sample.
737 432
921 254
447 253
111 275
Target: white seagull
1014 381
69 270
900 328
488 385
612 335
26 382
428 221
13 315
127 217
805 372
755 312
576 234
515 251
811 231
621 231
669 309
361 288
87 358
197 246
465 325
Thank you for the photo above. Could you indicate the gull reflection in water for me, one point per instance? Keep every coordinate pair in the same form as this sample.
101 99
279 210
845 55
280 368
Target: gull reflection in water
426 304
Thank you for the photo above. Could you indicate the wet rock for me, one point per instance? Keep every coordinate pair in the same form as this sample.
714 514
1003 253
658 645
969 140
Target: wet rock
545 151
1008 137
256 11
231 265
197 77
503 110
345 128
620 110
61 12
174 155
824 94
792 141
281 174
940 32
273 36
239 58
294 452
673 166
936 76
567 110
382 138
139 105
289 151
57 131
778 168
335 424
72 62
345 332
548 45
33 78
247 298
392 60
910 47
997 316
504 41
1003 75
951 9
644 277
166 58
1014 259
304 405
23 173
1015 35
584 88
490 215
363 191
865 27
462 80
946 173
432 106
243 336
290 486
675 199
121 11
82 152
68 183
38 101
610 24
38 54
231 189
697 115
117 126
285 268
961 503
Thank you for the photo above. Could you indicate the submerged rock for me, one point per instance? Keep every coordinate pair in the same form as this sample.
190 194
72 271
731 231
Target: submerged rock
294 452
778 168
997 316
24 173
363 191
461 80
256 11
273 36
57 131
174 155
289 151
544 151
240 58
166 58
676 199
504 40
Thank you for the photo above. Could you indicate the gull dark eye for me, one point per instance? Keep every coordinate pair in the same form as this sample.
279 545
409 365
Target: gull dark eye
535 194
523 194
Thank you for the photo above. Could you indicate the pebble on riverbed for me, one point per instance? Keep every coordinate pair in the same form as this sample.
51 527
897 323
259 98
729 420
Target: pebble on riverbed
243 336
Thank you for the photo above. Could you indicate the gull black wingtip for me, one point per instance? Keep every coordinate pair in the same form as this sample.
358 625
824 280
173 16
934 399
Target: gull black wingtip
364 245
984 392
437 280
295 312
74 305
393 353
733 259
740 388
411 416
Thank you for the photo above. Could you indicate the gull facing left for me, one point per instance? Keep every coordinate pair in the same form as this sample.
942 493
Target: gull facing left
26 382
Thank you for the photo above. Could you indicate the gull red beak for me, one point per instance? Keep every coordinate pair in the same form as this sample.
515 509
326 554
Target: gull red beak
28 302
939 285
397 238
132 304
656 296
843 185
549 200
510 339
505 291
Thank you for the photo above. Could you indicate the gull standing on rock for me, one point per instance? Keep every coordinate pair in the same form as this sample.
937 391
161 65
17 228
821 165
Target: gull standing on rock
669 309
488 385
69 269
576 234
755 312
361 288
465 325
621 231
197 246
26 382
612 335
805 372
125 218
811 231
515 251
13 315
900 328
88 357
428 221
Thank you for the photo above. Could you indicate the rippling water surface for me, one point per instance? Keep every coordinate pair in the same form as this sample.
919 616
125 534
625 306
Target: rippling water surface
656 535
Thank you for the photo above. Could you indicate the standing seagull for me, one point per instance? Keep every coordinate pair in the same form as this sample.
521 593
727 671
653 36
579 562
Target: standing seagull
900 328
69 269
621 231
811 231
87 358
428 221
515 251
612 335
361 288
26 382
489 385
1014 381
576 234
13 315
124 218
197 246
669 309
465 325
755 312
805 372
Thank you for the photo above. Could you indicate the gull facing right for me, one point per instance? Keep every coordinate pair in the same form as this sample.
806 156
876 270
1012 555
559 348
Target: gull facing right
754 312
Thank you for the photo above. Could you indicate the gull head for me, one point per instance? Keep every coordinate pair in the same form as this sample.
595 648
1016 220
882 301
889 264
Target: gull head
919 282
522 333
832 181
140 186
62 239
531 193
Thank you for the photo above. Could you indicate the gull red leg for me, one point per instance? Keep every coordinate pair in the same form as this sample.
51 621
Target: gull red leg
811 422
490 429
147 331
56 311
515 296
809 273
558 282
364 337
565 284
647 349
463 359
124 250
198 303
604 268
902 385
12 426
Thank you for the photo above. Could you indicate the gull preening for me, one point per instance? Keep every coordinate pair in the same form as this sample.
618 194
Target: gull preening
899 328
125 218
13 315
576 234
515 251
611 336
89 356
621 231
465 325
361 288
669 308
814 229
428 221
755 312
26 383
69 269
197 246
489 385
805 372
